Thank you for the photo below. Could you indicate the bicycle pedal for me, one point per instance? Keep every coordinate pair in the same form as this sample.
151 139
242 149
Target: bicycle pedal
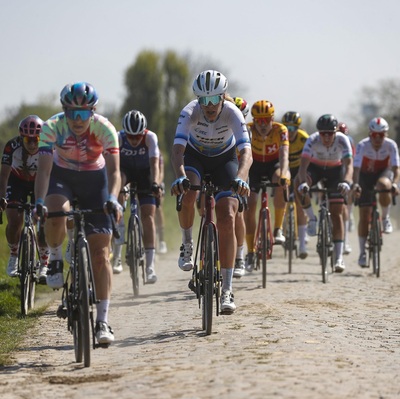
192 286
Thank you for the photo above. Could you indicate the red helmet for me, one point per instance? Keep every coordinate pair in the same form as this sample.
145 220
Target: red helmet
30 126
342 127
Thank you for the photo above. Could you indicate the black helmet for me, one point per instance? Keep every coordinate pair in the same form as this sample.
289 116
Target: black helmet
291 118
327 122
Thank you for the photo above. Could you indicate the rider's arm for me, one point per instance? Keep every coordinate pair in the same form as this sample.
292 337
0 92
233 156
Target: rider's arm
177 160
113 173
155 170
348 169
45 164
304 163
284 161
4 175
245 161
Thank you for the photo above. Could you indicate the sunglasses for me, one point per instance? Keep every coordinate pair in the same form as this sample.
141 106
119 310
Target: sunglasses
291 129
210 100
84 114
329 133
28 140
376 135
264 121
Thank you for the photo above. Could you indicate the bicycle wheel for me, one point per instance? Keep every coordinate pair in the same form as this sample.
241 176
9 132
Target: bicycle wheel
23 267
208 271
33 269
84 310
290 237
74 322
323 246
264 246
375 244
132 253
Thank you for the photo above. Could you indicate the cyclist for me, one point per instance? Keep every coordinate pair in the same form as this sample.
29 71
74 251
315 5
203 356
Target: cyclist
139 162
348 218
160 219
376 164
17 179
297 138
327 156
79 158
209 131
240 227
270 149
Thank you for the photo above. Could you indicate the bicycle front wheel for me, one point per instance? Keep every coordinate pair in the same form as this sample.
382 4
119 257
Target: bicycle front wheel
208 273
133 253
84 310
323 246
23 267
374 244
264 248
290 237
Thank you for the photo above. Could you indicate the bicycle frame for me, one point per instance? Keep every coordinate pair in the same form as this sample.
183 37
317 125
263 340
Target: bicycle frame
291 232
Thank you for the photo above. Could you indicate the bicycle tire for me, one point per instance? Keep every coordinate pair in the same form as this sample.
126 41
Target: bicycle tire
290 238
132 253
23 268
84 310
33 268
374 243
264 246
73 312
208 273
324 248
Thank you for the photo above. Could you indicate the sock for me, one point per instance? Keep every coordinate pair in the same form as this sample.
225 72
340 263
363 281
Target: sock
240 252
13 249
250 242
362 241
150 254
338 249
302 235
346 229
385 212
44 253
102 310
187 235
227 275
56 253
310 212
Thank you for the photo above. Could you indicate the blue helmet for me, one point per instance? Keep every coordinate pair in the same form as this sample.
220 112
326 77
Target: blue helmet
79 95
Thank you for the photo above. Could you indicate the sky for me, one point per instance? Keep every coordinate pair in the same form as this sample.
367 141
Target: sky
311 56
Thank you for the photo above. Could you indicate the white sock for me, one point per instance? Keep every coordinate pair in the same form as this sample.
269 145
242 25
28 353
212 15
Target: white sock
102 310
187 235
227 275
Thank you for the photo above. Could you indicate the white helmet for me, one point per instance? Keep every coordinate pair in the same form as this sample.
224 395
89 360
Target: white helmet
134 123
378 125
210 83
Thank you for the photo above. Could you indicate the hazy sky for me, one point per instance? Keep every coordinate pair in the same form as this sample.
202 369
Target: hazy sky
312 56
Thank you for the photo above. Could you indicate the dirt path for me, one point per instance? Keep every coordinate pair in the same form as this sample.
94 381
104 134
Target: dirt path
298 338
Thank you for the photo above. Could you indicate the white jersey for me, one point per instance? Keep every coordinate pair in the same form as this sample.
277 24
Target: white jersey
212 138
370 160
327 157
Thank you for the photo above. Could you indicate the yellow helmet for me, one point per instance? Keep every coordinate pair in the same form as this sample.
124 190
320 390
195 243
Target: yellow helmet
262 109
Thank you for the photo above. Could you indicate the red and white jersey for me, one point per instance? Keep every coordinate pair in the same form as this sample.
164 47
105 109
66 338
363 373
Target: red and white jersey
370 160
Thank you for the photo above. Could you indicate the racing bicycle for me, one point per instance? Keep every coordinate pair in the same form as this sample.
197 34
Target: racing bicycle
79 292
28 256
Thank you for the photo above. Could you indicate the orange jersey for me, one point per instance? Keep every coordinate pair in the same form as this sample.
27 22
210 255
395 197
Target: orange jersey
266 149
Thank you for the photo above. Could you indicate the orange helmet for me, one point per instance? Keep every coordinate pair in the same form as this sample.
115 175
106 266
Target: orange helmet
262 109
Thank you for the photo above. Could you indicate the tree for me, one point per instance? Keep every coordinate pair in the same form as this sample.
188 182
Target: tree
159 86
